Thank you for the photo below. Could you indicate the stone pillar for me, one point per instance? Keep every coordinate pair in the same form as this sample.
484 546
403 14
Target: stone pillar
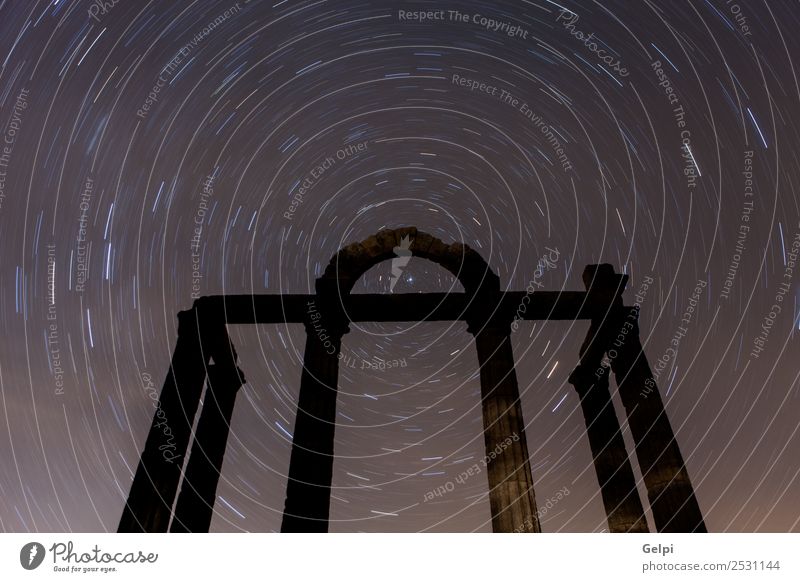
152 492
308 491
617 483
511 496
199 488
591 380
672 499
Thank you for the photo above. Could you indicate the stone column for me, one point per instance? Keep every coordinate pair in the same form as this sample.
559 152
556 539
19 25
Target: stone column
617 483
311 464
672 498
511 496
199 488
591 380
152 492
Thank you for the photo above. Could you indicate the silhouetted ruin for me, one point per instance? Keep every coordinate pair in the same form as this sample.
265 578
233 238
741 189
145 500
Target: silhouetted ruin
204 354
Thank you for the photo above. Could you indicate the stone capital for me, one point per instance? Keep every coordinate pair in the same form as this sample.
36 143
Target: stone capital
498 326
487 314
584 377
226 376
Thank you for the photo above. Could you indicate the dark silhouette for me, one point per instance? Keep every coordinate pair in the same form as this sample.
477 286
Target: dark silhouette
204 353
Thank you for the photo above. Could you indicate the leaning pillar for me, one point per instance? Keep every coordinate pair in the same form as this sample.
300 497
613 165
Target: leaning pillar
308 490
195 505
511 497
672 499
617 483
152 493
618 489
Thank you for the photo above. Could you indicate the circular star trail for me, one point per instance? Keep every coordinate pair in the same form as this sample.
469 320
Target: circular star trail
154 153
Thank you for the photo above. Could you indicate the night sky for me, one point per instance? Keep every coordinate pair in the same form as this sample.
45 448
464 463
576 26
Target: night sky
660 137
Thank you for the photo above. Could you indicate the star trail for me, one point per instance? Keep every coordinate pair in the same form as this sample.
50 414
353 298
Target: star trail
156 152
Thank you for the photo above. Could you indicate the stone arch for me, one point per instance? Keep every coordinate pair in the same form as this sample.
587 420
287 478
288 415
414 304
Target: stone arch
511 496
348 265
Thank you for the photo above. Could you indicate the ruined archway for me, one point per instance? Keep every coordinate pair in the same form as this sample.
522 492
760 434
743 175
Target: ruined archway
511 496
204 354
